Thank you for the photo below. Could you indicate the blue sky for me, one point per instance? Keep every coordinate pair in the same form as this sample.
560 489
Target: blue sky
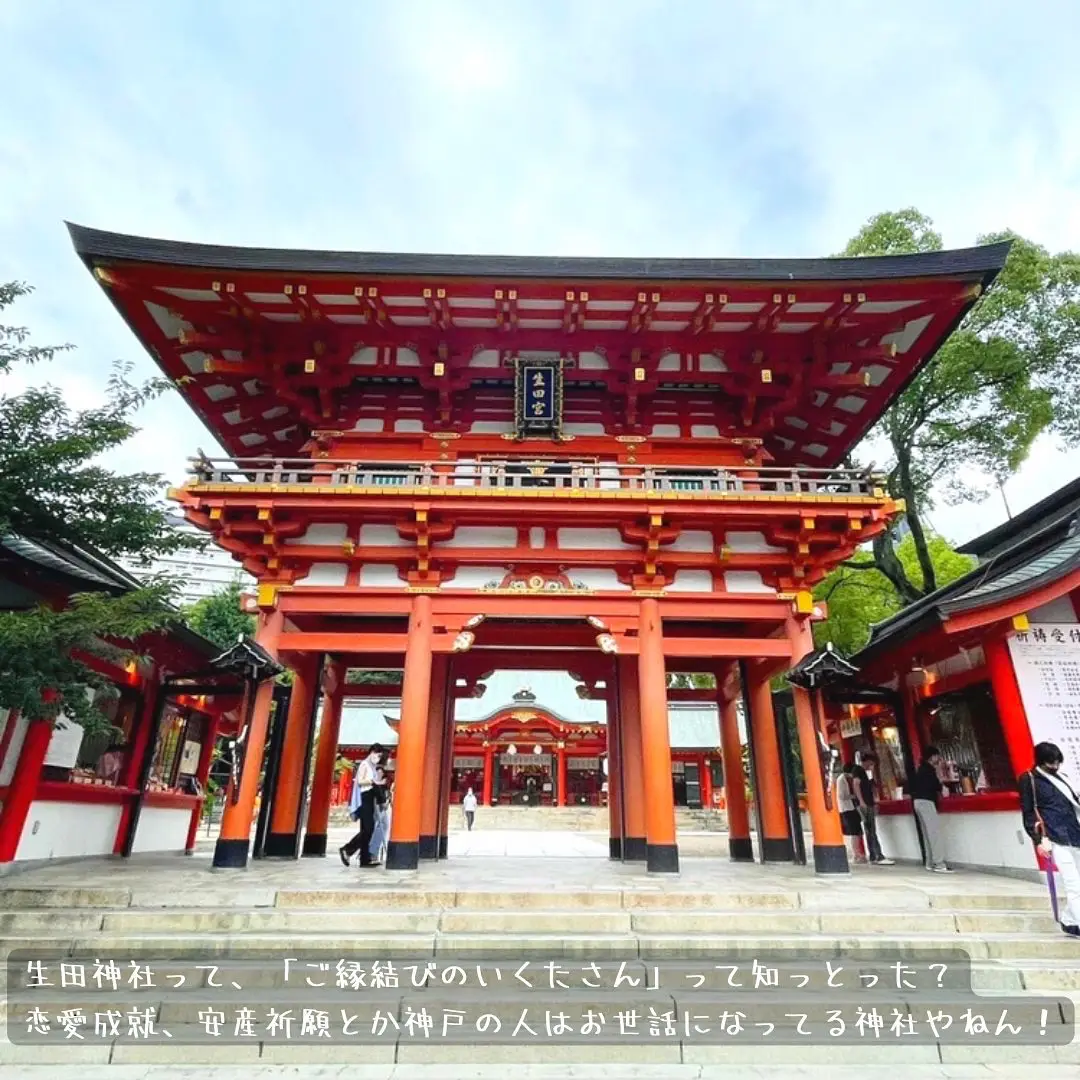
627 127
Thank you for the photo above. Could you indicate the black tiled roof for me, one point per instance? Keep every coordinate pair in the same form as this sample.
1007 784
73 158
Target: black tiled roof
93 244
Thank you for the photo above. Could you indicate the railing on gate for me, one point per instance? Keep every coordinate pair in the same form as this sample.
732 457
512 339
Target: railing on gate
556 476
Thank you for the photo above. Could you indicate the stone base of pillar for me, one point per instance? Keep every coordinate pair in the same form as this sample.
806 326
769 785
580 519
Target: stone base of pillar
777 849
314 845
662 858
740 849
444 842
615 847
280 846
829 859
230 854
634 849
402 855
429 847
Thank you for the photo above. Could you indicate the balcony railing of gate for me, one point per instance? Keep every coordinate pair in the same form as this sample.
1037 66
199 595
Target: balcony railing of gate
555 476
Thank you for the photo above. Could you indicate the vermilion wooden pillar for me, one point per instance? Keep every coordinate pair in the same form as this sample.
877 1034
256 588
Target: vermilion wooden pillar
633 777
830 855
322 783
705 780
489 772
776 845
283 839
614 771
447 767
20 794
740 847
661 849
403 850
560 779
433 757
1010 705
234 838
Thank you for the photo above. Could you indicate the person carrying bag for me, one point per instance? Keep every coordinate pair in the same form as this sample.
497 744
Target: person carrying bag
1051 810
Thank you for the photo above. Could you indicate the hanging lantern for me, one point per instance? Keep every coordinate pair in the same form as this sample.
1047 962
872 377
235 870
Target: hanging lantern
538 750
511 749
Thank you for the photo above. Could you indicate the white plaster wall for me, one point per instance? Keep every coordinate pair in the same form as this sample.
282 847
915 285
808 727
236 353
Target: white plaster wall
595 577
162 828
749 543
329 573
593 540
1057 611
14 749
745 581
491 427
369 423
691 581
582 428
368 356
475 577
381 536
993 840
321 535
60 830
475 536
380 576
704 431
537 537
408 424
692 540
666 431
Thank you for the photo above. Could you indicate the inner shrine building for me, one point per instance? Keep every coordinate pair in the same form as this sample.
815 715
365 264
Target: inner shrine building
451 465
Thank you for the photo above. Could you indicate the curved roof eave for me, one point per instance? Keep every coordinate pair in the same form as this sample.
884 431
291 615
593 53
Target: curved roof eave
92 244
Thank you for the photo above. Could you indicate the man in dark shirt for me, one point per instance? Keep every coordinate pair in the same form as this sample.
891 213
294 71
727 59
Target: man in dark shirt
925 792
862 775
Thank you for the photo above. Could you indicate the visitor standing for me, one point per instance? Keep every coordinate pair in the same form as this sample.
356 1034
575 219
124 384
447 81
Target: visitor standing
1051 809
468 804
362 805
925 792
381 833
850 821
862 778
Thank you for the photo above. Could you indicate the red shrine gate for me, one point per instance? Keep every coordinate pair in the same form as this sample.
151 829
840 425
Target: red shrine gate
445 463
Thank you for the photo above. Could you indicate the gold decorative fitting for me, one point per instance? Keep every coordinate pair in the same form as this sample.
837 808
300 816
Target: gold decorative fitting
440 294
427 294
287 290
631 460
777 298
498 294
655 298
722 299
791 298
1021 623
512 294
301 290
804 603
309 366
584 297
215 286
216 513
439 368
847 298
766 375
901 505
358 291
266 597
862 298
230 288
372 291
639 374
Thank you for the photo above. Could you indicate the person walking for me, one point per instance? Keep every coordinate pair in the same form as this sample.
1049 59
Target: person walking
850 822
468 805
362 805
862 780
381 833
1051 809
925 792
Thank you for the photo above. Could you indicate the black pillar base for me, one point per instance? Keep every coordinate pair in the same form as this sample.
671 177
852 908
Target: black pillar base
615 847
662 858
280 845
830 859
402 855
231 854
429 847
444 842
314 845
740 849
634 849
777 849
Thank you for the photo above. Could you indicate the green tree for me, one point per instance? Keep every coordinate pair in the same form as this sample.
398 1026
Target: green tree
1006 375
219 617
53 487
859 595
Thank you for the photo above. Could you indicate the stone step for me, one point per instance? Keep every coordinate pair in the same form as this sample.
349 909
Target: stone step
377 919
374 896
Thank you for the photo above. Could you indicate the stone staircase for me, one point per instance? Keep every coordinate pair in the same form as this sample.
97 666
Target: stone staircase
1014 947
